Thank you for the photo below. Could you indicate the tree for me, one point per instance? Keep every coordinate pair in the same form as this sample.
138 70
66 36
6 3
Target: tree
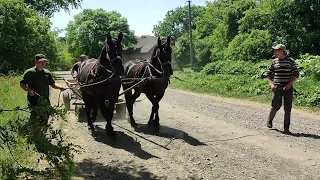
181 54
48 7
298 28
23 34
250 47
176 22
87 33
64 60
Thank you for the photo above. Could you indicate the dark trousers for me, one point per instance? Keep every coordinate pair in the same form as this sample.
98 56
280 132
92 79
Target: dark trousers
277 96
37 113
39 122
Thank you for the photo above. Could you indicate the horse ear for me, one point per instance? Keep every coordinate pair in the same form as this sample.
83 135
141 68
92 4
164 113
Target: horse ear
159 41
120 36
109 39
168 40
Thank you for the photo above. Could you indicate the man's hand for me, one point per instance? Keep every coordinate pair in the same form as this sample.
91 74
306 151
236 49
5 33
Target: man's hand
62 88
26 88
287 87
57 86
31 92
273 88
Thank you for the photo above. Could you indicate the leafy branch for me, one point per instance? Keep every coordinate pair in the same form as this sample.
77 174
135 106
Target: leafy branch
44 139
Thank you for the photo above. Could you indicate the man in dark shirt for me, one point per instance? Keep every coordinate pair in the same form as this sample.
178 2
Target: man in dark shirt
75 68
285 73
36 81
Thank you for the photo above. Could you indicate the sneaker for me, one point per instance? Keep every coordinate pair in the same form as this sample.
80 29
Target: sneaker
286 131
269 124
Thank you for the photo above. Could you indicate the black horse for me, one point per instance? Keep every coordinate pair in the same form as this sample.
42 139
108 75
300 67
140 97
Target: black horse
158 69
100 81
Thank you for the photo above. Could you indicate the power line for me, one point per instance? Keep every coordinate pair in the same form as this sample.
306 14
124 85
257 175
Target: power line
190 34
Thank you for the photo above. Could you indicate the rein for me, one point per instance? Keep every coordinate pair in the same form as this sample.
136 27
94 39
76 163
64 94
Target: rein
109 71
152 66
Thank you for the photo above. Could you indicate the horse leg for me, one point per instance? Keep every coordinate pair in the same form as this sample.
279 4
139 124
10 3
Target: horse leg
95 111
130 100
107 112
156 109
88 105
151 98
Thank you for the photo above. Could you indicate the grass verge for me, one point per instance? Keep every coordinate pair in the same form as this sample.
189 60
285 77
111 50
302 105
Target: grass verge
12 96
246 87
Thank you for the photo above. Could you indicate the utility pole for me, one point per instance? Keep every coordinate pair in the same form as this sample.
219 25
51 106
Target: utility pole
190 35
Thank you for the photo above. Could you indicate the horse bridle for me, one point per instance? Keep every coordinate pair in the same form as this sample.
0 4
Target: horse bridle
110 60
107 55
161 63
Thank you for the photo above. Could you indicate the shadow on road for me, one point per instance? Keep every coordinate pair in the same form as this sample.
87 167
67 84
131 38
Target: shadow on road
88 169
123 141
170 133
313 136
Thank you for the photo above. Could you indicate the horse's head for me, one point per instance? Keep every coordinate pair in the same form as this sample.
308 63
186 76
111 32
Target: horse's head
112 54
163 53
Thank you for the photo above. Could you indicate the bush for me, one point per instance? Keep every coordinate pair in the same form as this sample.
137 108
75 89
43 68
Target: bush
309 65
246 79
250 47
255 70
22 139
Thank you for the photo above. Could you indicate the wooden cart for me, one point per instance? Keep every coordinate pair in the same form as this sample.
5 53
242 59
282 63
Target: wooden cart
74 93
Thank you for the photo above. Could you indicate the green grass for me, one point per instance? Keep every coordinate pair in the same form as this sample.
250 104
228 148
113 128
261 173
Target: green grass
18 127
12 96
246 87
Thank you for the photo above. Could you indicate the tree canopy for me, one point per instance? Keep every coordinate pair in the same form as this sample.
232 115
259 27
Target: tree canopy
244 29
87 33
48 7
176 22
23 34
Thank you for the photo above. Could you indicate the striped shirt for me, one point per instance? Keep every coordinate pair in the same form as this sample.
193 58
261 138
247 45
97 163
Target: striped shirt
283 71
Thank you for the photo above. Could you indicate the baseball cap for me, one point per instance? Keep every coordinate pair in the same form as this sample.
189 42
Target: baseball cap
280 46
41 57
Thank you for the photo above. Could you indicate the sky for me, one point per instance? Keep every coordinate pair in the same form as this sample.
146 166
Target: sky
142 15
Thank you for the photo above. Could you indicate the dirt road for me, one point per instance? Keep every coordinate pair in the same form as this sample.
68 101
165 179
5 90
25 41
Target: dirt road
201 137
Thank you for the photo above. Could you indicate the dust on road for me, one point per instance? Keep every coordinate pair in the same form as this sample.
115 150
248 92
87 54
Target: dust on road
201 137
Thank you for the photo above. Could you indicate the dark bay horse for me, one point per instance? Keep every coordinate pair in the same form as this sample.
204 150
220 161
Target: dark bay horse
100 81
159 67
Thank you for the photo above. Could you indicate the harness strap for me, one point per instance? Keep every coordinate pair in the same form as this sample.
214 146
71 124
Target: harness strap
150 65
166 63
117 57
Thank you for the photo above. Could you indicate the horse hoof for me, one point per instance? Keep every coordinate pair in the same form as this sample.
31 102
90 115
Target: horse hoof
91 127
150 124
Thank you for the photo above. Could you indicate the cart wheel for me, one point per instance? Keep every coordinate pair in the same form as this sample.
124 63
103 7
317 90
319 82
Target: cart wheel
121 110
66 100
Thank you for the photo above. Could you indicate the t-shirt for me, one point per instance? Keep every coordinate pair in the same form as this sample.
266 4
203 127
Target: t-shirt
38 81
282 70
